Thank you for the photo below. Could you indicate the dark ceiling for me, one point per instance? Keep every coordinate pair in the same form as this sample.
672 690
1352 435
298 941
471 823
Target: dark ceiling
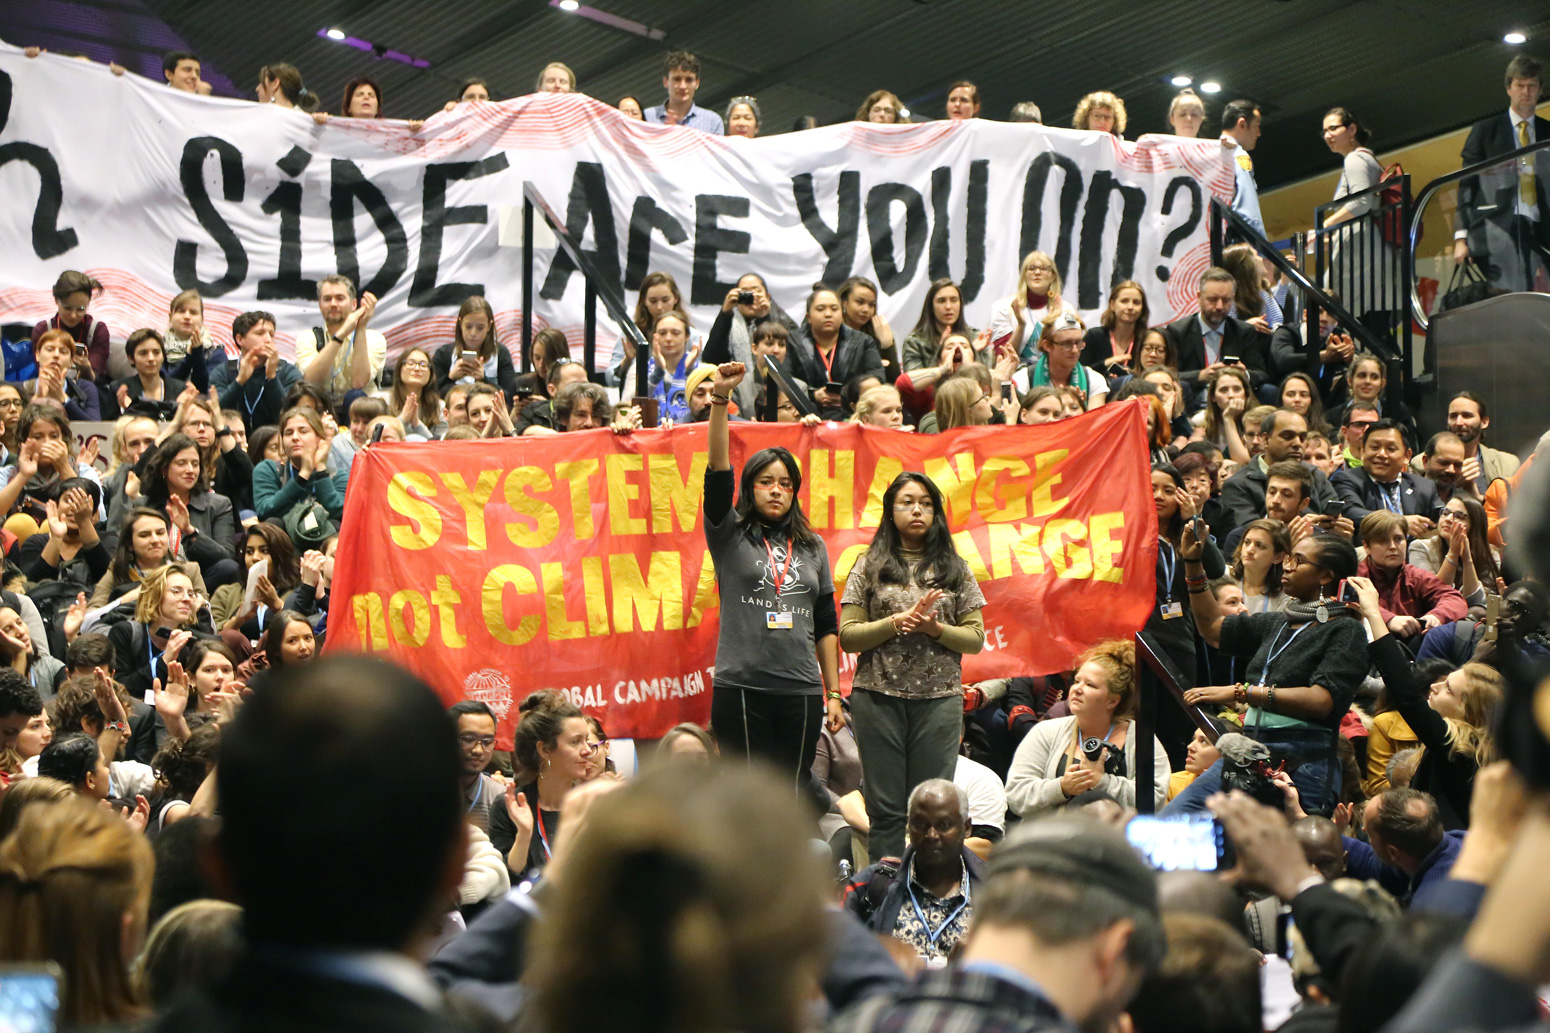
1409 68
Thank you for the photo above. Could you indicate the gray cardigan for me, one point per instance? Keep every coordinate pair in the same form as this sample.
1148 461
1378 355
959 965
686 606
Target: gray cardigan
1033 788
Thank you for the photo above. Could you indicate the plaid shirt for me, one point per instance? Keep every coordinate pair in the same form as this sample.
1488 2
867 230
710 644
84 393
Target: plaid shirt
954 1001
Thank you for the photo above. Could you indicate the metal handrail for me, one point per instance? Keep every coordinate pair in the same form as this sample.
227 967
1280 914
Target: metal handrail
599 288
1174 681
1347 321
1424 198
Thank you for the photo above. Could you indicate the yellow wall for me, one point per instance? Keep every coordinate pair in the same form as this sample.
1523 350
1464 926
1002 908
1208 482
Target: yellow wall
1290 208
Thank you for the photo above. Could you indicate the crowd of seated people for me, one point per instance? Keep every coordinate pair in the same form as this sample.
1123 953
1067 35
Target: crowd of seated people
1345 599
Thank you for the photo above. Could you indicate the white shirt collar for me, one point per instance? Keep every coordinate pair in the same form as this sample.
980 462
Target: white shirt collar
1517 120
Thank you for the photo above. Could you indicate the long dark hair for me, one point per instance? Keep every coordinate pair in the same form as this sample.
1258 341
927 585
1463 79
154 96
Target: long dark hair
274 635
927 327
794 524
156 490
284 570
885 557
1479 545
1175 526
124 556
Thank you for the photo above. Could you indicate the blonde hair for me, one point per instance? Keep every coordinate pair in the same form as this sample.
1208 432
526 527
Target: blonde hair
25 792
710 922
152 587
1021 295
1099 99
1212 423
191 946
1117 657
1470 736
1184 95
68 876
954 400
870 399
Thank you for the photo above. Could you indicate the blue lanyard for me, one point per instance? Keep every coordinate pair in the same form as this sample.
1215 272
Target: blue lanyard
262 387
1170 562
1391 502
478 793
1264 676
150 651
932 937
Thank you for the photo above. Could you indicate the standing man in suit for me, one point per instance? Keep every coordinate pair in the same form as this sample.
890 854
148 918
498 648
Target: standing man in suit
1502 224
1210 339
1382 482
340 896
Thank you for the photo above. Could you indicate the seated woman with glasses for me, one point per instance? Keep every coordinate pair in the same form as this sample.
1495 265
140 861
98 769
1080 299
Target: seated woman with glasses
413 398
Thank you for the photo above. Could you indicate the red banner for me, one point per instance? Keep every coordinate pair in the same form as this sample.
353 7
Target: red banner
578 561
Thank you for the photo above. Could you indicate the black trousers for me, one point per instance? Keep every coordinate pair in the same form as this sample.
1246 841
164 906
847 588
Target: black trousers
781 731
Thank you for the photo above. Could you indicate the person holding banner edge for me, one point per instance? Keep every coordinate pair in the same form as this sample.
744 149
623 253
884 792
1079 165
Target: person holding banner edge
911 609
777 653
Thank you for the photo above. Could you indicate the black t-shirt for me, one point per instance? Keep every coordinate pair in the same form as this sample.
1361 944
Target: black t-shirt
503 833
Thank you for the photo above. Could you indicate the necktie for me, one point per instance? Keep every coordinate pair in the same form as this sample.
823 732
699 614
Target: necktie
1528 190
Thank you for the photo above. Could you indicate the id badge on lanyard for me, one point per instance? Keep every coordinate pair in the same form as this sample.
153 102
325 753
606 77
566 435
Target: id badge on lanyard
778 619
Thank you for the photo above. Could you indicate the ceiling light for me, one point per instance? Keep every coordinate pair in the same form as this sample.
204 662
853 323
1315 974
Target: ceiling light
613 21
1181 80
904 112
336 34
568 5
1210 87
1514 38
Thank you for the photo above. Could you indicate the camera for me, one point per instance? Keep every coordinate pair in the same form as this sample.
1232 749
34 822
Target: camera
1246 767
745 297
1113 764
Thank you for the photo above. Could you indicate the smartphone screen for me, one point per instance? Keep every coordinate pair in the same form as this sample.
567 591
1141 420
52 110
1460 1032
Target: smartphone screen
1006 391
1179 842
29 997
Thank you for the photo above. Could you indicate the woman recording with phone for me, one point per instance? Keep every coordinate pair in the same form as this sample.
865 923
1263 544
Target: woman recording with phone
1093 749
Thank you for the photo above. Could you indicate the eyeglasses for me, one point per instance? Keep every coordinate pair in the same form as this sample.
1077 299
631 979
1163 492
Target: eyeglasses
470 739
924 505
10 403
415 364
1360 424
597 744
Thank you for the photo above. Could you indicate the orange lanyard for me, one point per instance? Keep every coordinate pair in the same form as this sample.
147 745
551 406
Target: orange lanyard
783 570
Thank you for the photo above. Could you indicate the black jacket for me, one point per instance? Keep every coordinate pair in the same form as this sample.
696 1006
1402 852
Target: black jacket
875 897
258 997
1492 196
139 405
1288 354
444 359
1243 494
1360 494
854 354
1238 338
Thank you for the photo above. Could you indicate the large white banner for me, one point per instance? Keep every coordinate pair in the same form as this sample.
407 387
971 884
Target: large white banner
153 191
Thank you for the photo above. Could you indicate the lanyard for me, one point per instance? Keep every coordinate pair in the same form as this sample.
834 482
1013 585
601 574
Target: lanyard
1391 502
1170 562
1264 676
781 580
542 836
262 387
933 936
828 362
150 653
478 793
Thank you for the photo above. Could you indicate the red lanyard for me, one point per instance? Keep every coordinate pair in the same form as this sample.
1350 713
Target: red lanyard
539 814
782 578
828 362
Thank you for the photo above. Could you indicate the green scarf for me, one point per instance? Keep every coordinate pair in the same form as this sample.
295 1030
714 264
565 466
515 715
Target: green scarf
1040 376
